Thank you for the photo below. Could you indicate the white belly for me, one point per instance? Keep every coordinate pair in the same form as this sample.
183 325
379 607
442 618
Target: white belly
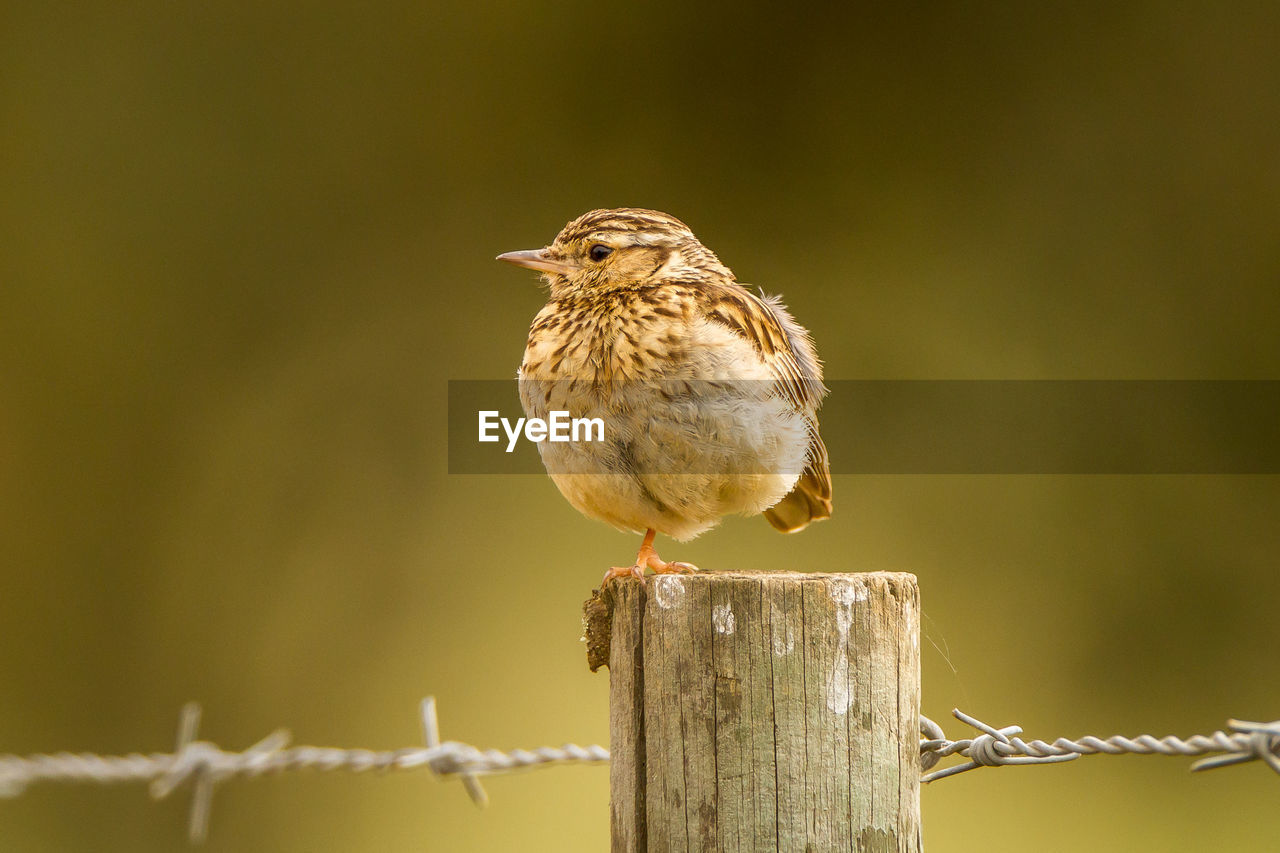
674 462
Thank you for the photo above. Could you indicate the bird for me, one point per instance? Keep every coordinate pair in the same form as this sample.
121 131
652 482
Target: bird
707 391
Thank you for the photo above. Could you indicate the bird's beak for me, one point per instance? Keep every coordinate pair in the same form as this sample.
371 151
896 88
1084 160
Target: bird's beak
537 259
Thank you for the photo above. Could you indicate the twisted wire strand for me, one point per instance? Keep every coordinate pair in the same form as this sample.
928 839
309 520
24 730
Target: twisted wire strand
204 764
1247 741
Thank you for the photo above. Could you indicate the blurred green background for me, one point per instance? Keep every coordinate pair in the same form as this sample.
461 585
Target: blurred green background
244 246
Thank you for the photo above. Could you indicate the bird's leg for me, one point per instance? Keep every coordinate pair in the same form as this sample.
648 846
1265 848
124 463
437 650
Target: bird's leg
646 557
637 569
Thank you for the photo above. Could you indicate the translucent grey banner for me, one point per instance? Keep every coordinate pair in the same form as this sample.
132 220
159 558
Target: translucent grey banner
875 427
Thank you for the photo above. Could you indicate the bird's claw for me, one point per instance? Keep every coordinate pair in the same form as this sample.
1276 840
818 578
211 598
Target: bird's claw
636 571
661 567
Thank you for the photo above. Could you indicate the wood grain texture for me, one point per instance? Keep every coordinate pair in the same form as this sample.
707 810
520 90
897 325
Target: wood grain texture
765 711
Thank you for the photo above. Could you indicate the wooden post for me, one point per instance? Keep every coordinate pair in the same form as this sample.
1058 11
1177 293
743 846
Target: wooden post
765 711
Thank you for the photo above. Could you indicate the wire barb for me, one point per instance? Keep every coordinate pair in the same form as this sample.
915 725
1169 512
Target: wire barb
440 765
994 747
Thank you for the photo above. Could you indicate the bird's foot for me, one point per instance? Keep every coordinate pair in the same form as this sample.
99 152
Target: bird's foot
647 558
659 566
636 571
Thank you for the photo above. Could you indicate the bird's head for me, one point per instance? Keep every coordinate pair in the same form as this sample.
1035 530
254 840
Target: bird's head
627 248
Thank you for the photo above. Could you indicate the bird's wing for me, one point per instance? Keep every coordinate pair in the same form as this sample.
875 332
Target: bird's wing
783 344
788 351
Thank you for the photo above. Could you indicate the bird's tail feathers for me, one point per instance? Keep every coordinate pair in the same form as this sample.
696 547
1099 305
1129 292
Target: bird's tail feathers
809 500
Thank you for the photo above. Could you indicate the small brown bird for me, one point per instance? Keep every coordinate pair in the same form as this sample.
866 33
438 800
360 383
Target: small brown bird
708 393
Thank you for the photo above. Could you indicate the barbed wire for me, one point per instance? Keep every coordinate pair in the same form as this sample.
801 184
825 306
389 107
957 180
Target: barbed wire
205 765
994 747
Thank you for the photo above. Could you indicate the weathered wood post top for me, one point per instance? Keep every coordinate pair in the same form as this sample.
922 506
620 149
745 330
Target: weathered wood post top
762 711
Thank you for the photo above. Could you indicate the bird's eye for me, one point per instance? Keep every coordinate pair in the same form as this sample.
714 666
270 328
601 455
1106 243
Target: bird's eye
599 252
